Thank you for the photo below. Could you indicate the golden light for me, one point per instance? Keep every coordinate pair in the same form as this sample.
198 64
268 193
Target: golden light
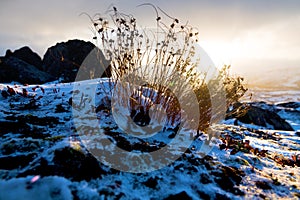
250 47
221 52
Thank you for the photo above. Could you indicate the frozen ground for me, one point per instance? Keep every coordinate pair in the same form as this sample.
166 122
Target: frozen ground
43 157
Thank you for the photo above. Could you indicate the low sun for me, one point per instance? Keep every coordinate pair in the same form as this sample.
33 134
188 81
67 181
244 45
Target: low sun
222 53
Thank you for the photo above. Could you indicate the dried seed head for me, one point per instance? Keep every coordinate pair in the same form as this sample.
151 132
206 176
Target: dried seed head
132 20
100 30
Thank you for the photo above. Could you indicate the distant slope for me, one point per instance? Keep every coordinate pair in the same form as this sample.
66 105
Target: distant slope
277 79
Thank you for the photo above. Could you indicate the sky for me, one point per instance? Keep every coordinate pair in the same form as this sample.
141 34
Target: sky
255 37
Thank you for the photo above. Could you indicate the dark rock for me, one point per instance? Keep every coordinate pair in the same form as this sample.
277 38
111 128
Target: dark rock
11 91
203 195
32 104
14 162
205 179
16 146
124 141
226 183
262 196
250 114
222 197
297 194
70 101
76 165
15 69
228 178
172 135
65 59
8 53
263 185
24 92
16 126
31 119
104 105
28 56
234 173
69 163
4 93
36 133
60 109
289 105
277 122
181 195
13 127
151 183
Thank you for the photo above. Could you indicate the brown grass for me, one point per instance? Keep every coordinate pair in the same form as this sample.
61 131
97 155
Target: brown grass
161 62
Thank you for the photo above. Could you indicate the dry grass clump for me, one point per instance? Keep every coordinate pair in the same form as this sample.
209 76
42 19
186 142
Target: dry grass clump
159 66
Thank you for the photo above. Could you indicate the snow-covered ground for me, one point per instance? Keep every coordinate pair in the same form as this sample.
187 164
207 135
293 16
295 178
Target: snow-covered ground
44 152
272 96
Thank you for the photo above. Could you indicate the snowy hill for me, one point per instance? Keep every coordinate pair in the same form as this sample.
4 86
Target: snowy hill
276 78
44 154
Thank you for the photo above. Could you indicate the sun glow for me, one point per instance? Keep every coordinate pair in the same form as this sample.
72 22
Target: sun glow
221 52
252 50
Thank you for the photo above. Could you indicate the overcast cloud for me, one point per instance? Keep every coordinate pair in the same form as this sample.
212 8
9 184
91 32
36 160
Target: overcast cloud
244 33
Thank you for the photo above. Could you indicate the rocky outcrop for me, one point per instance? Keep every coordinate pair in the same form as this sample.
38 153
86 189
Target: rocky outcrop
23 66
65 59
250 114
15 69
62 61
27 55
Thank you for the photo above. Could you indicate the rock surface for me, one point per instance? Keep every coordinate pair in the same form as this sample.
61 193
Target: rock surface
251 114
28 56
62 61
15 69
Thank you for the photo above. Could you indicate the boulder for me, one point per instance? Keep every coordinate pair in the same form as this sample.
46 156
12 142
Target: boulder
28 56
14 162
294 105
15 69
250 114
69 163
64 60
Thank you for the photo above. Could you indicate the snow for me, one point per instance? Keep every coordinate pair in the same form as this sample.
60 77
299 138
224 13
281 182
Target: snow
48 188
272 96
172 178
